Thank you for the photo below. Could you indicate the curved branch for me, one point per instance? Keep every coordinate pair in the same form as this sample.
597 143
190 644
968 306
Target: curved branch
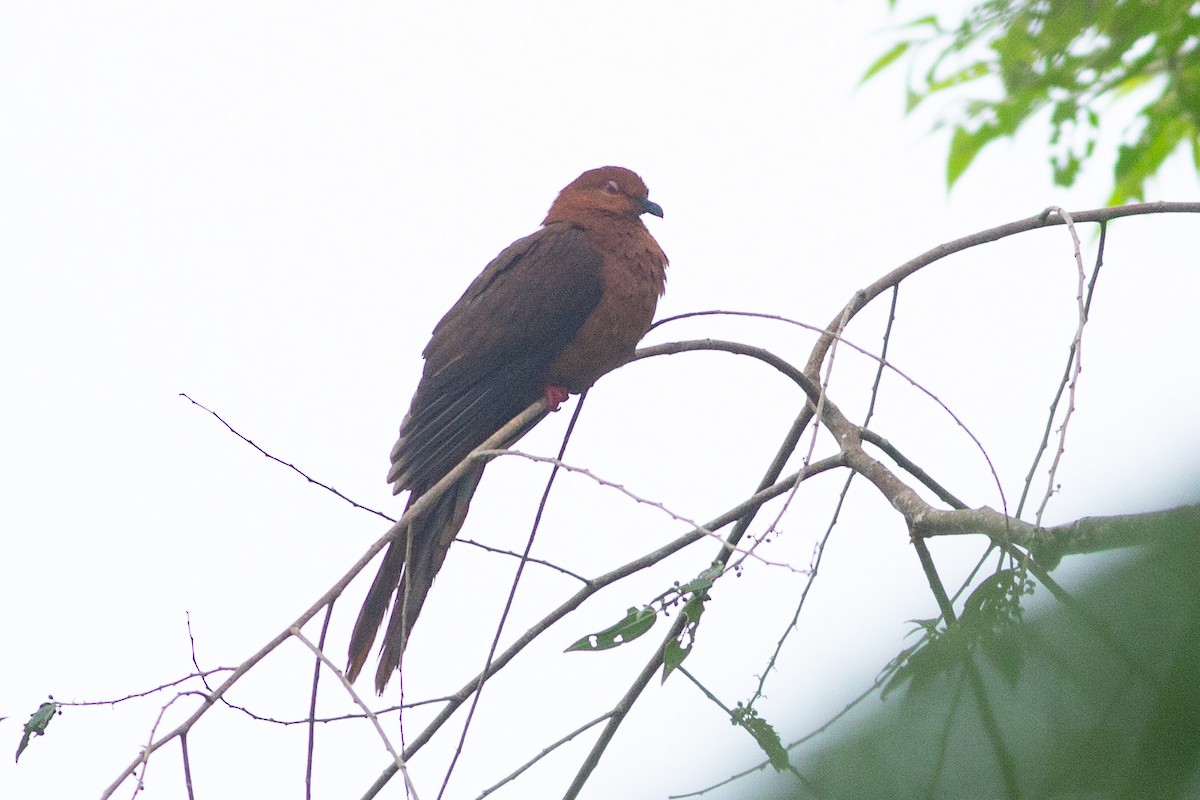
1045 219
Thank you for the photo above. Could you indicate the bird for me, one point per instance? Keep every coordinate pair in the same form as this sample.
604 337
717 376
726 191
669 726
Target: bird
547 317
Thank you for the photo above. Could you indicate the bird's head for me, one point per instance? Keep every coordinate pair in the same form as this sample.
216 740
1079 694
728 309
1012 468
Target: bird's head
607 191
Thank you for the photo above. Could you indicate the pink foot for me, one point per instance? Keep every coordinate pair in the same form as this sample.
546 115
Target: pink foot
555 395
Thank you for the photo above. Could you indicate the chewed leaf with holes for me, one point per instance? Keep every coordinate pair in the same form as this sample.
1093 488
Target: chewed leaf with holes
680 647
636 622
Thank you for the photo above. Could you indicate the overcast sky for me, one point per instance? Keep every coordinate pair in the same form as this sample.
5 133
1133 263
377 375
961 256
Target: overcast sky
268 206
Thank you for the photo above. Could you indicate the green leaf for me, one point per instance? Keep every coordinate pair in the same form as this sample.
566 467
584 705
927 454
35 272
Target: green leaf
37 724
679 648
1064 111
1132 83
912 100
965 75
1137 162
673 655
882 63
764 734
964 147
1065 170
635 623
927 21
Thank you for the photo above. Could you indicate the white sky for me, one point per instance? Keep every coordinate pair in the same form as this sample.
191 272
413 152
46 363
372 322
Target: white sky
268 206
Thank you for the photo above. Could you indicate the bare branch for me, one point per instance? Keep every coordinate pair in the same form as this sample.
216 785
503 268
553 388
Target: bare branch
148 692
501 551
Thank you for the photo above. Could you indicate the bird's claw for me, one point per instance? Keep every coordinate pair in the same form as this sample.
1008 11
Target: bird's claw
555 396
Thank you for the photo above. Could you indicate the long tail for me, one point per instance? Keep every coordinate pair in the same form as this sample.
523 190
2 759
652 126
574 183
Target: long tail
405 577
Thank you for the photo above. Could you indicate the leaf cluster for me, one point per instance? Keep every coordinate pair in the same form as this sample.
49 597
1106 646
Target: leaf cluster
638 621
988 624
1072 59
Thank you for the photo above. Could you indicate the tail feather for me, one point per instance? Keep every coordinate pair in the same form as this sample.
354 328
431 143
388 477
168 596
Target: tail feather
379 597
405 578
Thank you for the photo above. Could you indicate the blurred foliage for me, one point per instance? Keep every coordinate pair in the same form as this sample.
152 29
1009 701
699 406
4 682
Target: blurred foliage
1099 697
989 622
1072 58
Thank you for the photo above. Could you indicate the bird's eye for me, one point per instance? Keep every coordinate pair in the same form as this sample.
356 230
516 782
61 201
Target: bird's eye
611 186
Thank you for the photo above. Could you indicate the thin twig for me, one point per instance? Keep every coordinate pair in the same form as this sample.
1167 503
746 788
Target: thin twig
934 580
637 498
704 690
312 703
1077 367
501 551
187 617
287 464
187 767
1067 371
545 752
148 692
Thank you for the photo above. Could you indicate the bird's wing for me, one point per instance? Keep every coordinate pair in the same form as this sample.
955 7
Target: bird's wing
489 353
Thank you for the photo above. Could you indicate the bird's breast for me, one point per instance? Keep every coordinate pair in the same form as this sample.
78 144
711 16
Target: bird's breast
633 276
